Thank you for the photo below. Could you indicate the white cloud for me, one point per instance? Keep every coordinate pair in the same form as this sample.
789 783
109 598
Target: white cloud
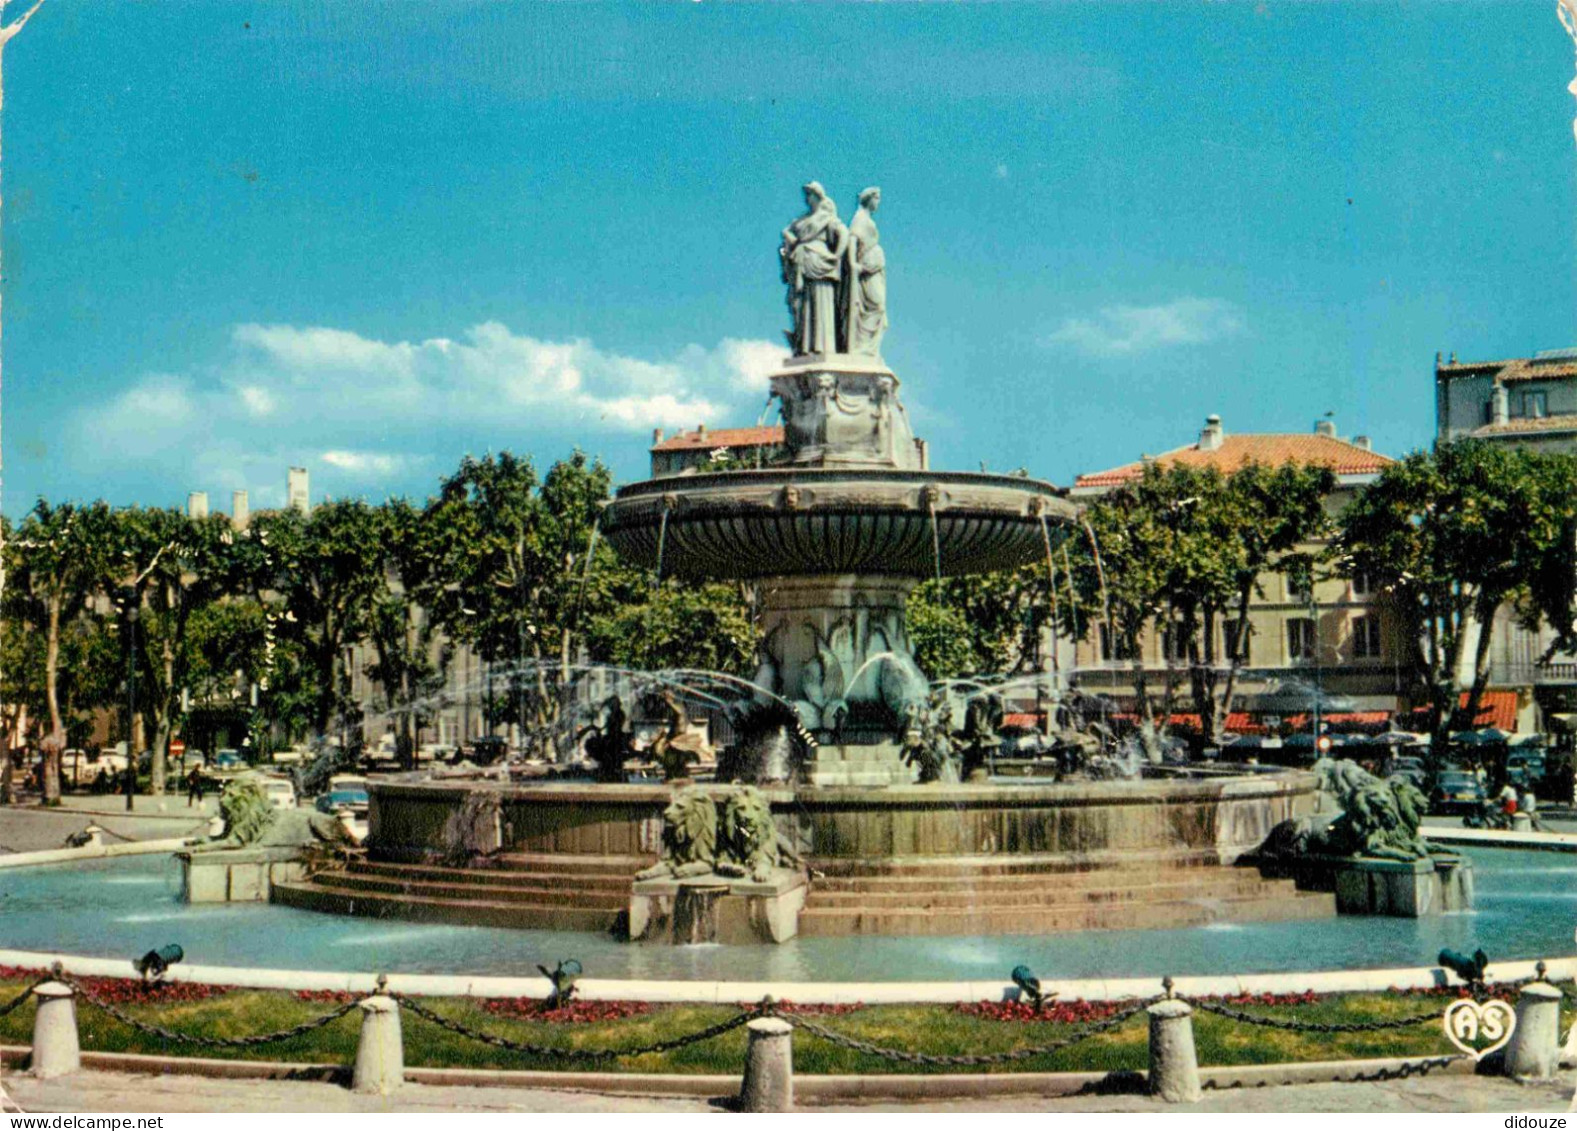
367 463
1121 330
369 408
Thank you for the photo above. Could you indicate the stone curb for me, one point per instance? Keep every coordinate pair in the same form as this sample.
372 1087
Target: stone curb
95 852
806 993
810 1088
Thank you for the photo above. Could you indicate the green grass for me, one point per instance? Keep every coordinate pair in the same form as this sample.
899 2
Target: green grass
935 1029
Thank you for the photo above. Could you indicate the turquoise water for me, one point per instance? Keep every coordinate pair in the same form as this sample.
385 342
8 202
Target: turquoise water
1527 907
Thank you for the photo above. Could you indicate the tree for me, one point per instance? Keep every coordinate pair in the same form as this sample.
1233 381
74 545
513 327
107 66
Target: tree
173 567
980 623
1180 553
1452 535
410 666
703 625
57 562
518 549
321 573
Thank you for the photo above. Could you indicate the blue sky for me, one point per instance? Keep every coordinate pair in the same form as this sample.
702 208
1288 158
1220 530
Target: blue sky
368 238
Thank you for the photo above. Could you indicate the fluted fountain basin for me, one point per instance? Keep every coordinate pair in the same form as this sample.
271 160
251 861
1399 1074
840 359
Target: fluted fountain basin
787 521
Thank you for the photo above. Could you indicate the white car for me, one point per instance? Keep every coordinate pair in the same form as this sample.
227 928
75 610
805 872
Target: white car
280 793
291 756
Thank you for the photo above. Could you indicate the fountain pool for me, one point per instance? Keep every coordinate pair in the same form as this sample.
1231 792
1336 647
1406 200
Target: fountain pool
116 909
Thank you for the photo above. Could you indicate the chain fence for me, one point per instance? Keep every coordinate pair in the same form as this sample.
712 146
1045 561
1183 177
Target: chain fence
767 1008
561 1053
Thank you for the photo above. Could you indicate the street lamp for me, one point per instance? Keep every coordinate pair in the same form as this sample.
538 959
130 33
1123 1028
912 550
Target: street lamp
129 602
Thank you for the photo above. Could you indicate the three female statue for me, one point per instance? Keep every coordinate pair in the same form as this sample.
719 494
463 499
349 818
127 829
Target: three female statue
836 277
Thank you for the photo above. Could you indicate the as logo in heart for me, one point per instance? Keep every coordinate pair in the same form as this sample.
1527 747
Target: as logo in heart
1479 1028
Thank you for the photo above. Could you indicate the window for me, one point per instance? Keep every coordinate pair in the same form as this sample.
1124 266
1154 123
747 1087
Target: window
1174 644
1112 647
1362 584
1300 638
1229 637
1366 637
1536 405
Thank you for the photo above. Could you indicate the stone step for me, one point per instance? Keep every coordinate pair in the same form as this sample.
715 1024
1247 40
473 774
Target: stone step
1015 865
568 863
494 877
313 896
820 922
1048 895
511 893
1028 881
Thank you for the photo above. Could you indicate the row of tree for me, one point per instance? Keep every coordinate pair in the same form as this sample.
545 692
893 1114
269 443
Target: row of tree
505 560
1448 537
188 612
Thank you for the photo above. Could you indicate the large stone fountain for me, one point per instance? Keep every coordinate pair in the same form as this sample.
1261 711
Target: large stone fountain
835 537
839 532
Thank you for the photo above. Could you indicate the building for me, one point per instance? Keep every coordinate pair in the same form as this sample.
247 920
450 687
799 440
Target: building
298 495
1342 647
1528 402
738 447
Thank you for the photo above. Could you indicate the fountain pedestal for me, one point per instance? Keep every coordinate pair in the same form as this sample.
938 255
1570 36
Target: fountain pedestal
717 909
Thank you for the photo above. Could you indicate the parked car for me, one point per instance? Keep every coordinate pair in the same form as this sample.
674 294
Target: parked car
335 800
292 756
347 781
1406 766
281 793
1525 768
487 750
229 759
1456 791
435 751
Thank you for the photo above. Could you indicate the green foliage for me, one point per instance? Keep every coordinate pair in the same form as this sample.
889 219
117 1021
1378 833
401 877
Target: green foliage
678 625
1453 534
989 622
322 573
1182 551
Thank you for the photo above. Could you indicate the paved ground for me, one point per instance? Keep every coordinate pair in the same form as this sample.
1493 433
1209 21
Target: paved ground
113 1093
31 829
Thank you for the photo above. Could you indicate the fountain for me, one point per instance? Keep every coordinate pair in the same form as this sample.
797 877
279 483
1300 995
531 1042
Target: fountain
834 537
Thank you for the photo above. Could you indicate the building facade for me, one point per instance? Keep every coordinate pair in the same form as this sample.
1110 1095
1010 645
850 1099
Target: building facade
1340 646
1527 402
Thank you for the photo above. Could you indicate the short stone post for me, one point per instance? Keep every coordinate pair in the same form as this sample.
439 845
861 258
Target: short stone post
1535 1045
1174 1066
380 1053
769 1066
55 1048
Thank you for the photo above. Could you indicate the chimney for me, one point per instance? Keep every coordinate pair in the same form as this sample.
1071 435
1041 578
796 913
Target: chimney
1211 435
700 431
1499 404
197 504
1362 442
657 436
1326 427
240 510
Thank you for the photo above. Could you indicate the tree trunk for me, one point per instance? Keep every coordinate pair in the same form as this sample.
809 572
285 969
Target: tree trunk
163 723
56 741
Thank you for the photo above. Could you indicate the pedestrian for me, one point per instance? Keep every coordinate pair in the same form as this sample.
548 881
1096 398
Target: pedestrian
194 787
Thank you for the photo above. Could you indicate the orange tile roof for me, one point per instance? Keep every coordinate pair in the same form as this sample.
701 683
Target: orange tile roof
1513 369
721 438
1522 424
1495 709
1271 448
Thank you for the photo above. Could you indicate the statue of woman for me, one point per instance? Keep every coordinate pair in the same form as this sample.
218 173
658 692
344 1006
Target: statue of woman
867 278
812 253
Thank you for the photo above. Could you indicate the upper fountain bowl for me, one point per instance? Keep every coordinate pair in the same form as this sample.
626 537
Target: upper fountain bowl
788 521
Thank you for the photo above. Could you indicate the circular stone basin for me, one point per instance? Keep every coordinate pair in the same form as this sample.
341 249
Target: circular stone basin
786 521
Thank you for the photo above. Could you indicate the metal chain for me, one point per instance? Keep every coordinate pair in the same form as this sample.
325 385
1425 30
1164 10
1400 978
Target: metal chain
871 1049
1312 1026
16 1003
212 1042
576 1054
